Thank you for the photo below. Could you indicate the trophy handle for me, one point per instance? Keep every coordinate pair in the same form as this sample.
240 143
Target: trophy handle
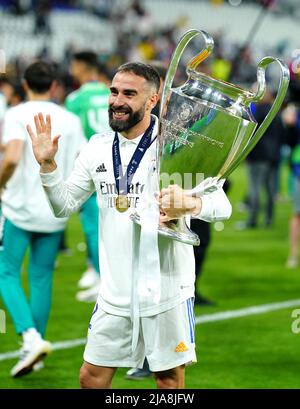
282 89
193 63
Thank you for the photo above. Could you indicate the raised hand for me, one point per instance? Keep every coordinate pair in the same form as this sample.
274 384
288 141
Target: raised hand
44 147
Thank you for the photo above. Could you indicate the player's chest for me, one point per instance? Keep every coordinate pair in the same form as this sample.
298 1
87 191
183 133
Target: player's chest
104 172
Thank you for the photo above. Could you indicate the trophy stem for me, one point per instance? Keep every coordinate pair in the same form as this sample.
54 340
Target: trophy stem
175 230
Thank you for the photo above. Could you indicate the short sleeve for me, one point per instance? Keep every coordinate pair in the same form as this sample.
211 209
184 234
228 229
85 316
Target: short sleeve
13 128
72 103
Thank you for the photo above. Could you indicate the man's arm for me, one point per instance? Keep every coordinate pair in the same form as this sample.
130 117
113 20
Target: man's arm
214 206
12 156
64 197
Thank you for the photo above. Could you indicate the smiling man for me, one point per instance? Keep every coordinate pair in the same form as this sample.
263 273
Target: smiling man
124 158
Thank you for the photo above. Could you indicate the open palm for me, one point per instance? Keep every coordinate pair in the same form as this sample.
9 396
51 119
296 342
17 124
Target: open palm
44 147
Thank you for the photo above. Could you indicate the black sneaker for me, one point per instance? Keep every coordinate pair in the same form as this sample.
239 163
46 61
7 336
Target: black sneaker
138 374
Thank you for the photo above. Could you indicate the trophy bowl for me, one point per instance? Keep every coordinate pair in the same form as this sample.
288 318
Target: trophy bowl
206 127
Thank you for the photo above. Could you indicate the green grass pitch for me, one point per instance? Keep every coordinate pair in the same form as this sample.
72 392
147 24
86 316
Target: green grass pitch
242 269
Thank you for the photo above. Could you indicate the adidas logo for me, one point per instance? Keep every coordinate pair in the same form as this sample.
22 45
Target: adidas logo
181 347
101 168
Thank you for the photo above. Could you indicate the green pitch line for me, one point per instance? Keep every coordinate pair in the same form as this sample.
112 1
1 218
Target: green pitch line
243 269
219 316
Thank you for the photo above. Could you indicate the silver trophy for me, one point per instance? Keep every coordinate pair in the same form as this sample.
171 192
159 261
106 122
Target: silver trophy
206 126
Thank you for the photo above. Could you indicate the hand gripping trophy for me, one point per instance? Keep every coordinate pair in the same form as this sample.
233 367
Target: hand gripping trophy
206 126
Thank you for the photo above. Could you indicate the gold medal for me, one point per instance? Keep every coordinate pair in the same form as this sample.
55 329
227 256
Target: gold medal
122 203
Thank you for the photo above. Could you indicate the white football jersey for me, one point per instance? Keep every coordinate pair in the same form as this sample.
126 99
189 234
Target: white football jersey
24 201
94 171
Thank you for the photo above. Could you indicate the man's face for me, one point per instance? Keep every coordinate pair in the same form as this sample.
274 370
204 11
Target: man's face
130 96
8 92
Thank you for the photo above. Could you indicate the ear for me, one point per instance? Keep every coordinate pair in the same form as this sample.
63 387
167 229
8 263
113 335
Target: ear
25 86
152 101
53 88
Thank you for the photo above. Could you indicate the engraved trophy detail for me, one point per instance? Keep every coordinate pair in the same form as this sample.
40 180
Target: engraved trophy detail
206 126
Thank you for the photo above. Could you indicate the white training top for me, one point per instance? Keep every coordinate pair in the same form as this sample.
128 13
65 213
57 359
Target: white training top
94 171
24 201
3 107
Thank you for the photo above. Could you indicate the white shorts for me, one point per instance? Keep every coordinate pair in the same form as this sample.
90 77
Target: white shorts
166 339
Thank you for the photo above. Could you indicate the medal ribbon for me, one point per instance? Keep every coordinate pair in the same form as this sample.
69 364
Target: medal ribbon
123 181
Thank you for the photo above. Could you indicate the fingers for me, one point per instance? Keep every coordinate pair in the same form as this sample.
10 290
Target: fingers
171 189
55 140
30 132
165 202
167 190
163 219
42 122
37 124
48 125
164 197
157 197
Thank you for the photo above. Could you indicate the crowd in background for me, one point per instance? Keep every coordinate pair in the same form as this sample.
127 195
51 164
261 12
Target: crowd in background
138 39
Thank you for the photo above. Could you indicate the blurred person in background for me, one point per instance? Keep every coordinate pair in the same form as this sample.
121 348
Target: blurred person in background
101 8
64 85
26 220
220 67
18 7
11 94
18 94
291 119
90 104
202 229
6 90
3 103
42 9
263 165
243 69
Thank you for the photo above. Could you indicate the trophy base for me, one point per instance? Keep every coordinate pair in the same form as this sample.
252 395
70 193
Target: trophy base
174 231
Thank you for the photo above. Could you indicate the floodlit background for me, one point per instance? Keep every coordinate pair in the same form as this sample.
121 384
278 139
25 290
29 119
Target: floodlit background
246 339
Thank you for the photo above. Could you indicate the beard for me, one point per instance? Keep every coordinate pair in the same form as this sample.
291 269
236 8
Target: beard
123 125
